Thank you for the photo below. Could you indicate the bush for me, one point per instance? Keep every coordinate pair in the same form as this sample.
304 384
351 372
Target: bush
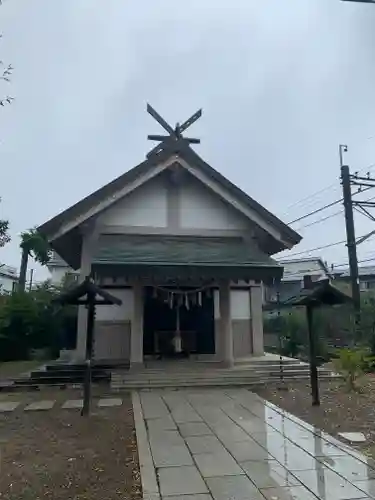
349 364
31 321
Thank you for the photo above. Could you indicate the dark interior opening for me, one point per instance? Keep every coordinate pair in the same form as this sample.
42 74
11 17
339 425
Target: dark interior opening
197 325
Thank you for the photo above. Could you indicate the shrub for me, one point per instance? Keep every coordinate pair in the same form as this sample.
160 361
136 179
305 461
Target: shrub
31 322
349 364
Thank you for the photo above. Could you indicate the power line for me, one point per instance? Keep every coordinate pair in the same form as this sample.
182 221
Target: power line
316 211
307 198
359 262
329 205
320 220
318 248
323 190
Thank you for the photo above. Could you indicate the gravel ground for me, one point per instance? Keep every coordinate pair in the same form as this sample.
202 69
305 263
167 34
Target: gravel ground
340 410
59 455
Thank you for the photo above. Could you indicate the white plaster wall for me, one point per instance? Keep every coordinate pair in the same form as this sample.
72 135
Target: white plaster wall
200 208
123 312
240 304
146 206
216 304
57 274
6 284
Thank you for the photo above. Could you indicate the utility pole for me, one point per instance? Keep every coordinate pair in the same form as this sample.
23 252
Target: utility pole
350 233
31 279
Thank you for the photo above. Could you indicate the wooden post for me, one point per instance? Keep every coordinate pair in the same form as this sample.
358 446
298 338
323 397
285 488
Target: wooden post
312 354
88 358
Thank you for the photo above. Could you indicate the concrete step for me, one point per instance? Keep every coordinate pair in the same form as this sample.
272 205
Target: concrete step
232 376
197 381
266 362
218 374
129 385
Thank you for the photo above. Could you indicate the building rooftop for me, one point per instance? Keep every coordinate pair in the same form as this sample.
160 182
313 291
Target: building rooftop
296 269
362 271
8 271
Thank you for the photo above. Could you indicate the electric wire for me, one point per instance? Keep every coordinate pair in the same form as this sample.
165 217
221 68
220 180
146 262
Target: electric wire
323 190
320 220
316 211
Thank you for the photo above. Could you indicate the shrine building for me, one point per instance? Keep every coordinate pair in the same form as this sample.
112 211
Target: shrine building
186 251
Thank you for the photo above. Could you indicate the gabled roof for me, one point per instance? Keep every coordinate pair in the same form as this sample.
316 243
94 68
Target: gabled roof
322 293
362 271
204 254
8 272
296 269
181 151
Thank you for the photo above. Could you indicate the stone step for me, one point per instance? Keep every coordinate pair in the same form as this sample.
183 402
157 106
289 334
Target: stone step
266 362
194 376
235 369
129 385
257 374
119 382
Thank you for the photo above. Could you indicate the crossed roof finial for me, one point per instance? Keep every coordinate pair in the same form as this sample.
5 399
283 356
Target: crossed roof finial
175 134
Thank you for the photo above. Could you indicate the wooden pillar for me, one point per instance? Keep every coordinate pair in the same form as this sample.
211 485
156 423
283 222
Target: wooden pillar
89 240
136 337
256 306
226 324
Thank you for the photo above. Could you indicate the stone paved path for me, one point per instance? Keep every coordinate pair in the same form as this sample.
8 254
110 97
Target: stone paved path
43 405
231 445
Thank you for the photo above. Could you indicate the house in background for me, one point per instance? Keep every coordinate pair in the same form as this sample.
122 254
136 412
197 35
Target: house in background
59 270
366 276
183 248
8 278
292 280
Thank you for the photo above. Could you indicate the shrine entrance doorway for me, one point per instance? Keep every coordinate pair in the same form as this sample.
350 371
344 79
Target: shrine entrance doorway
178 323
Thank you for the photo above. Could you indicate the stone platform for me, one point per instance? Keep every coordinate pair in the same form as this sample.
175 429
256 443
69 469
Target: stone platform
250 371
217 444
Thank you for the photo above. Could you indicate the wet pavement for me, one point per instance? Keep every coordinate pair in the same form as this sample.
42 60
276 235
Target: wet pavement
229 444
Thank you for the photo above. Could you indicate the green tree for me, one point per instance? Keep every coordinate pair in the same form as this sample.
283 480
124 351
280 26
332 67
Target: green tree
33 321
4 234
33 244
5 74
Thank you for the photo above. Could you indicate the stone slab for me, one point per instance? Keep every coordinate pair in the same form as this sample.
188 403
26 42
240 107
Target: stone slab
204 444
148 475
351 468
217 464
71 404
171 438
233 488
155 425
228 433
202 496
269 474
181 481
248 450
290 493
194 429
109 402
182 417
368 487
152 405
353 437
334 486
40 405
171 456
6 406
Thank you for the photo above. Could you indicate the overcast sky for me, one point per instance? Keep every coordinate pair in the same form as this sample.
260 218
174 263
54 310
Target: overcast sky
281 84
